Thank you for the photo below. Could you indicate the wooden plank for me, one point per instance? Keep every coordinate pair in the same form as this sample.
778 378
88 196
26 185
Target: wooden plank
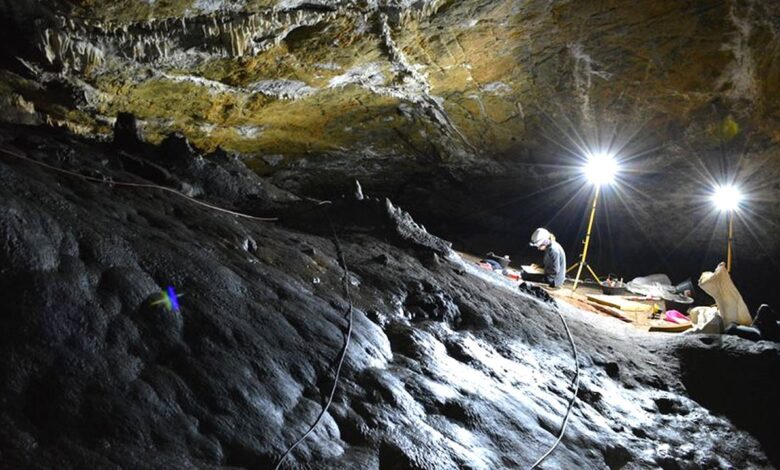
618 302
668 327
640 320
615 312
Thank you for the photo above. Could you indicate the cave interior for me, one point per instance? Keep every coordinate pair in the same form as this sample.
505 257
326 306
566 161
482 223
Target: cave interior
238 233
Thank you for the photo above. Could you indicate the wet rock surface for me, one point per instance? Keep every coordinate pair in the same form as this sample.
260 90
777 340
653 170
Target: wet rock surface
447 368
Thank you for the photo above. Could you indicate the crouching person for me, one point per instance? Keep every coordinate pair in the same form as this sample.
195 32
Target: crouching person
554 257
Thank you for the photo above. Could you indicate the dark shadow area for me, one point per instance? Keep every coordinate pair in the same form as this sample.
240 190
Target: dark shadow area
741 386
482 213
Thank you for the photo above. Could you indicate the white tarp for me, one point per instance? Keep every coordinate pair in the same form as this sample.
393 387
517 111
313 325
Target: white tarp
657 285
731 306
705 320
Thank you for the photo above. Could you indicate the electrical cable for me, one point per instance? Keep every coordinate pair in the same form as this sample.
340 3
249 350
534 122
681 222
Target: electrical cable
573 398
348 295
133 185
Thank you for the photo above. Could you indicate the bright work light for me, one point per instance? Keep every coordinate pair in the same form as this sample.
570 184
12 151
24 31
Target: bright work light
601 168
726 198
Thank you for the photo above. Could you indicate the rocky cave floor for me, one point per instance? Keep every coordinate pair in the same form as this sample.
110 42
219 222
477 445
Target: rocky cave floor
447 367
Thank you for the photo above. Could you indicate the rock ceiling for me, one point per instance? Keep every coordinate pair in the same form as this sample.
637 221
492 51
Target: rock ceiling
452 78
688 92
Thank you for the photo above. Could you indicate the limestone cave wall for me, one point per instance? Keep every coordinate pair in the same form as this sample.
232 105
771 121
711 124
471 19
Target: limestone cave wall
492 103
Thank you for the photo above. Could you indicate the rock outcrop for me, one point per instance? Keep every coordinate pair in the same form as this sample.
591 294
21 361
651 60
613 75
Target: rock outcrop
447 368
507 96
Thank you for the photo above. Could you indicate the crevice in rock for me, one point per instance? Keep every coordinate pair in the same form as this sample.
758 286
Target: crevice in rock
414 87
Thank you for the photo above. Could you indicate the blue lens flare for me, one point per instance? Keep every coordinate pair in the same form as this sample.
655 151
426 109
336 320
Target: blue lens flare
173 299
168 299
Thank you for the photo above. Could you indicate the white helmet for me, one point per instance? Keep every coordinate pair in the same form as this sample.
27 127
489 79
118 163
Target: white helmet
540 236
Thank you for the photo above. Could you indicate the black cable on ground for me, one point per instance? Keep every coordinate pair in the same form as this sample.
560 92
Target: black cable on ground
348 295
573 398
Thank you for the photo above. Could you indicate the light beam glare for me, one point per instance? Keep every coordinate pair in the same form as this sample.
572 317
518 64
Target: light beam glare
631 208
576 197
519 199
744 222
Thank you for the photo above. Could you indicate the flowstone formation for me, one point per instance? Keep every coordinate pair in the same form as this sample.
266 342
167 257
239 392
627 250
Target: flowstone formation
447 368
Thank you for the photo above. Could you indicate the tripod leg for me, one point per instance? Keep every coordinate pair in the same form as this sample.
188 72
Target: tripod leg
577 278
593 273
584 256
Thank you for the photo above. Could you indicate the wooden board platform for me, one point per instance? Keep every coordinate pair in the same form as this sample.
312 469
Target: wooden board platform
618 302
642 320
638 318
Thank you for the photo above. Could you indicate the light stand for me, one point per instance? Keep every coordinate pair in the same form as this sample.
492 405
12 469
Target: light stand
583 257
600 169
727 198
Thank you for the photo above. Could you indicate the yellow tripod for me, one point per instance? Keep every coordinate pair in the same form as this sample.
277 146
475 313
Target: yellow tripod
583 257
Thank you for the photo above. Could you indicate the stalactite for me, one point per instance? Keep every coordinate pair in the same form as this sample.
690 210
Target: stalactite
66 53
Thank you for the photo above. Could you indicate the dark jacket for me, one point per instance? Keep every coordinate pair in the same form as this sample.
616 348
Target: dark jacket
554 264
